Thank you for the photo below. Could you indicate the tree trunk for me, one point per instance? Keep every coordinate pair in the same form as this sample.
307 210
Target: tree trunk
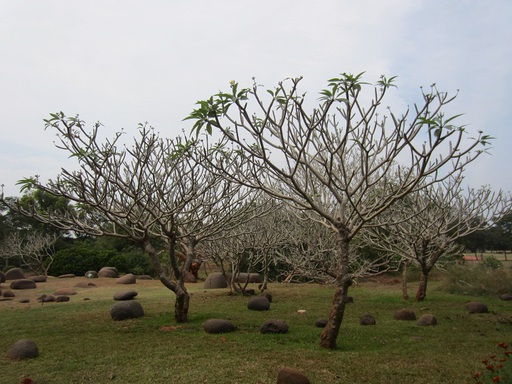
422 288
182 302
343 281
155 260
181 306
405 294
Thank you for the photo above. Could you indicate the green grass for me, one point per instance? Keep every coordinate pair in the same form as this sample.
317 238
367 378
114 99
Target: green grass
80 343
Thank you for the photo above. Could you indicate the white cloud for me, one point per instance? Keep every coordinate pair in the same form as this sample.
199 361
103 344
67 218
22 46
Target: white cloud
129 62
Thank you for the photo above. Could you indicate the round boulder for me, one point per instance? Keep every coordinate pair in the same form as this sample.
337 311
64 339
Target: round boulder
427 319
367 320
123 310
405 314
289 375
129 278
8 293
23 284
14 274
476 307
258 303
23 349
62 299
91 274
110 272
506 297
215 280
2 277
218 326
274 326
125 295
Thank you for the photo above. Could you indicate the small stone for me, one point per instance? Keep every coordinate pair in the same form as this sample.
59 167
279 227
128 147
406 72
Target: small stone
62 299
321 323
367 320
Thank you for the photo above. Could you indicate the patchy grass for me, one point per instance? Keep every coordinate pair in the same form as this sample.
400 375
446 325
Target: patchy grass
80 343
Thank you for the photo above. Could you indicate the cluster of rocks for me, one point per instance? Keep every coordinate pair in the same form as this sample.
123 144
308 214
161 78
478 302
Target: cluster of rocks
126 307
218 280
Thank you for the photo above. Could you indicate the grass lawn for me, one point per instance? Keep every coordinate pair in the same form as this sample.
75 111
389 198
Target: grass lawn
80 343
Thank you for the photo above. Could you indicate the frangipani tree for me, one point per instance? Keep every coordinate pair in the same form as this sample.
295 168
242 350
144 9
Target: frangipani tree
151 191
347 144
426 226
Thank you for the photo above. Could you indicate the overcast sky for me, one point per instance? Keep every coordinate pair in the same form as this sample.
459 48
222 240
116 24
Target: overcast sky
128 62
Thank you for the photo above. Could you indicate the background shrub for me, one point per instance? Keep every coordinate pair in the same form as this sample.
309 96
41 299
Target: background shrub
477 281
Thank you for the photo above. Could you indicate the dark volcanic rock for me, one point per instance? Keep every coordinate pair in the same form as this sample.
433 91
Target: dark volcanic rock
23 284
218 326
123 310
321 323
23 349
274 326
129 278
258 303
110 272
215 280
427 319
14 274
125 295
405 314
367 320
476 307
289 375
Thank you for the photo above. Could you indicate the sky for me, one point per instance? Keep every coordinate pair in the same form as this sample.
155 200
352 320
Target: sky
128 62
